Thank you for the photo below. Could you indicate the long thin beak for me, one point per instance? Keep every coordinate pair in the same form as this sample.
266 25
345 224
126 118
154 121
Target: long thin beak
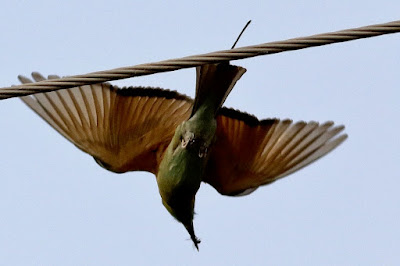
190 230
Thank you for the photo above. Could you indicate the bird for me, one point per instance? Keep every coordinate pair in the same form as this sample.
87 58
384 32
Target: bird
183 142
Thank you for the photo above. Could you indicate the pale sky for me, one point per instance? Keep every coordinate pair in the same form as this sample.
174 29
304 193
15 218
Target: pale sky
58 207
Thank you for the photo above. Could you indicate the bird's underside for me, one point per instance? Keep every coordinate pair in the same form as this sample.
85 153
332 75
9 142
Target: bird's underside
129 129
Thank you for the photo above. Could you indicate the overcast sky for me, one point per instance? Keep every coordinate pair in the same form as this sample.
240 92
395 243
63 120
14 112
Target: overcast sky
58 207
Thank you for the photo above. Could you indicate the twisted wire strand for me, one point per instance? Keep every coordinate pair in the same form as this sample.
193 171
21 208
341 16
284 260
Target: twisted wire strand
197 60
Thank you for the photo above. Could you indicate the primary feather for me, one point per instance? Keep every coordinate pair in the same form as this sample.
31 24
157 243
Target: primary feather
124 129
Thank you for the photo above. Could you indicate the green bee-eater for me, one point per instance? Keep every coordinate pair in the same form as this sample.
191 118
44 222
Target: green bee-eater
183 142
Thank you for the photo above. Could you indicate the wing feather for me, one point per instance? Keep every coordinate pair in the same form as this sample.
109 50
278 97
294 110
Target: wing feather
123 129
249 153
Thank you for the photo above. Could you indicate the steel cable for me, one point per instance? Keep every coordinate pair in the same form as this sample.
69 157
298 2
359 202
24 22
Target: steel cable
197 60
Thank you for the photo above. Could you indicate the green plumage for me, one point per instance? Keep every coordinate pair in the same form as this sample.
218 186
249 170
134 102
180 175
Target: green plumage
182 168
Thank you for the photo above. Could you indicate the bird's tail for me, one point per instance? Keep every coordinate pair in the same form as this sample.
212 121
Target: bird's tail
214 83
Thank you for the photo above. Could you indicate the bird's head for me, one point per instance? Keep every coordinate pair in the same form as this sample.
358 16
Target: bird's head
184 214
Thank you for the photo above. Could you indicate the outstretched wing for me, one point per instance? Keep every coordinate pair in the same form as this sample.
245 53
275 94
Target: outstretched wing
123 129
249 153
